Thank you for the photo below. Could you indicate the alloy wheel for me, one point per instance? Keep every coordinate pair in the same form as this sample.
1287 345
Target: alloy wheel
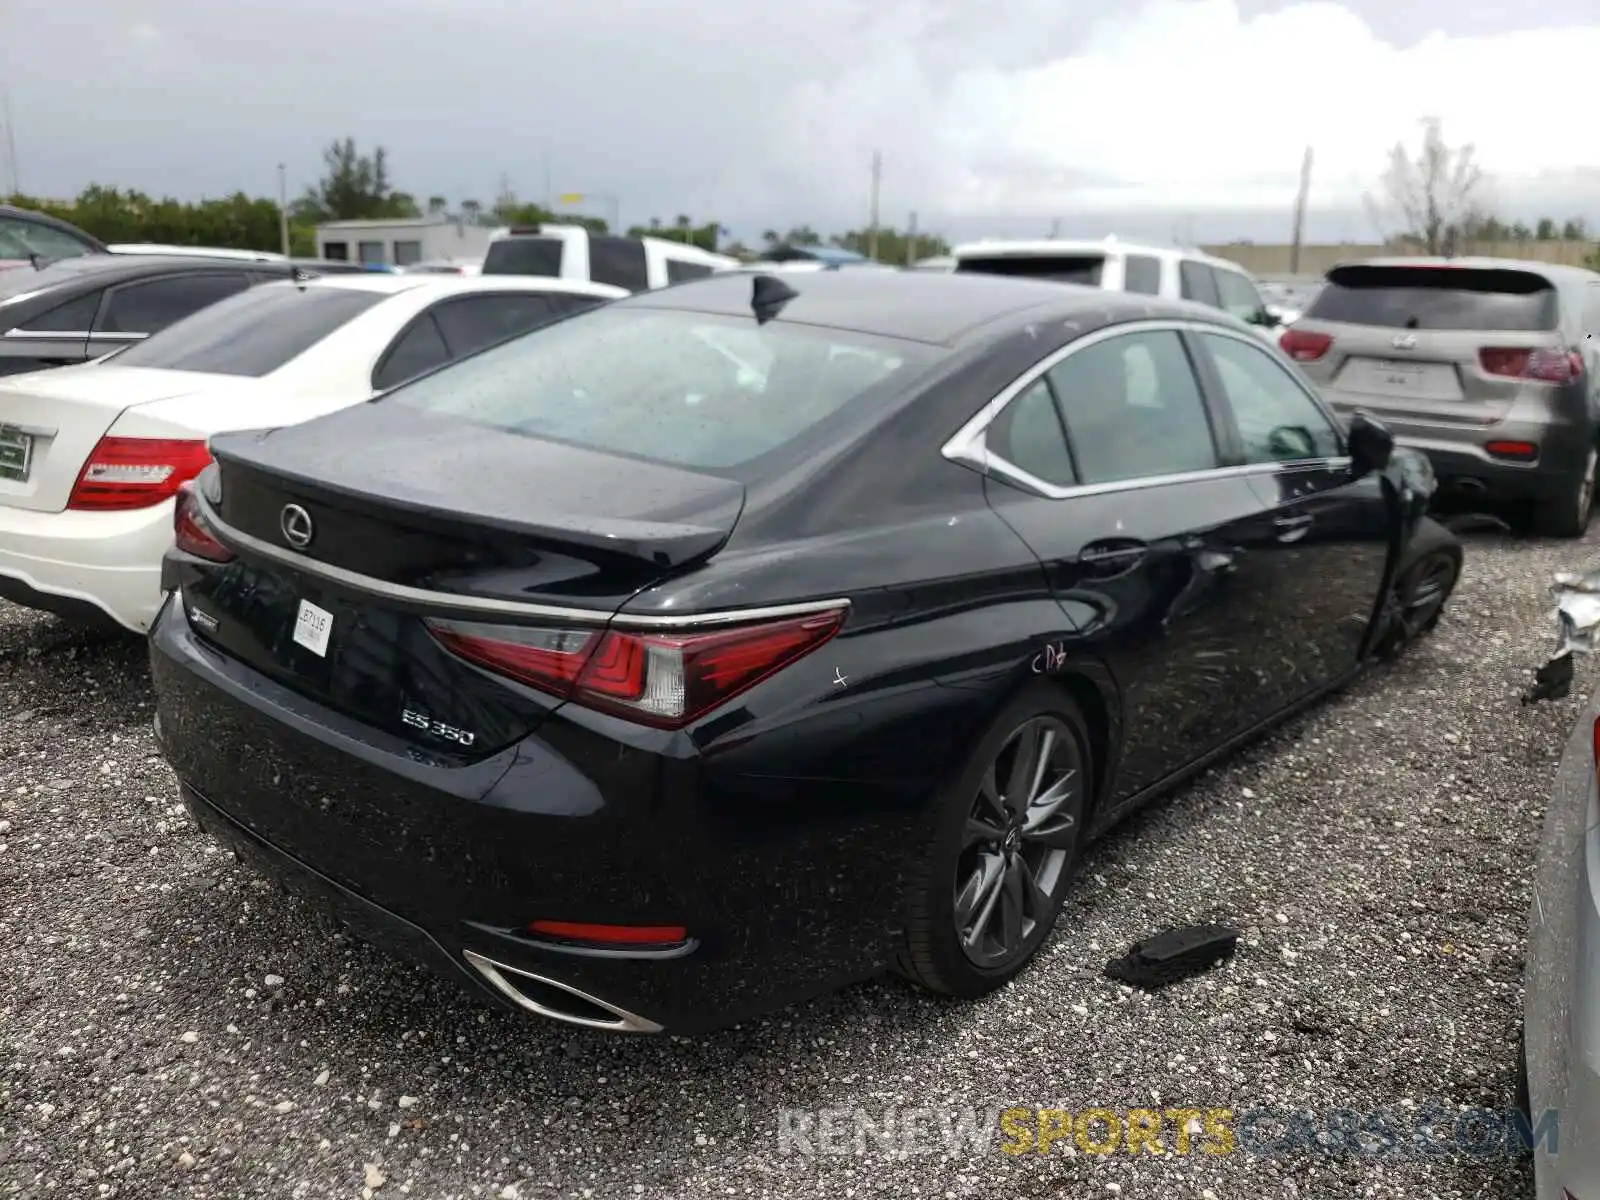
1586 487
1018 842
1423 596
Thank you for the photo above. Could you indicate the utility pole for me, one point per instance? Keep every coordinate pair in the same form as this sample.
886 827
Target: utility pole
1300 213
872 226
283 207
11 139
549 198
1055 228
911 240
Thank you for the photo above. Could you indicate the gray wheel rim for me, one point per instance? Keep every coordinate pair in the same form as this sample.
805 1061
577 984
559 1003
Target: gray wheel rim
1426 593
1018 841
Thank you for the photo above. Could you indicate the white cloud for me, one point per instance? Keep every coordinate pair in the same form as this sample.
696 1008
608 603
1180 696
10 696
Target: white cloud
1183 104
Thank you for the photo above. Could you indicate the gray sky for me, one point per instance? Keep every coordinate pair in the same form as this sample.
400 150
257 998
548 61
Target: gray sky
1173 118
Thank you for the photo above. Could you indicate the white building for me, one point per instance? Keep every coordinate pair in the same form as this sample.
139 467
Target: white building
401 243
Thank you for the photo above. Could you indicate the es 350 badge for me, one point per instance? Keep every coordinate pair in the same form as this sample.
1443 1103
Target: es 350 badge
449 733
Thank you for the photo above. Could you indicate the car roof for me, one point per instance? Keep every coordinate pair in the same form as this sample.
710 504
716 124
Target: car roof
445 285
1552 271
922 306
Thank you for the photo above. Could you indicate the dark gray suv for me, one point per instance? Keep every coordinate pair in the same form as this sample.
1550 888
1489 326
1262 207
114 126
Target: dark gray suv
1485 364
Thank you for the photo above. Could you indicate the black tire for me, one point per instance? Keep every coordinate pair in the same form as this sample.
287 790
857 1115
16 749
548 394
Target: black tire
936 955
1569 516
1421 590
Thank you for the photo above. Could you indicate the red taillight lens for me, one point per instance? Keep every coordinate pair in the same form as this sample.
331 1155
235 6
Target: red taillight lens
1545 365
190 531
1519 451
611 935
665 680
1304 346
125 472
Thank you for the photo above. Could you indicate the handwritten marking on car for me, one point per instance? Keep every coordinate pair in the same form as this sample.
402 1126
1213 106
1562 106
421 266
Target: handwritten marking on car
1051 659
840 678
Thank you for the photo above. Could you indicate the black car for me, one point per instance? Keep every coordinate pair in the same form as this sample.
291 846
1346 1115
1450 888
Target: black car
706 650
78 309
26 234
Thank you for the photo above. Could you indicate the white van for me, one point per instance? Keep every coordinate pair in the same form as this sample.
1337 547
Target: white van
572 252
1117 266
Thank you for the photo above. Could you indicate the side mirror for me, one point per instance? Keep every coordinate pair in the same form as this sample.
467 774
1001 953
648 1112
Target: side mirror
1371 444
1265 318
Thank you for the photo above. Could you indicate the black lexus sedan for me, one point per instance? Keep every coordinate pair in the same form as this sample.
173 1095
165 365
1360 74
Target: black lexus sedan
709 649
81 308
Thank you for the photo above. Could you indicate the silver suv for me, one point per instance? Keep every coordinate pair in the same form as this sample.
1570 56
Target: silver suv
1485 364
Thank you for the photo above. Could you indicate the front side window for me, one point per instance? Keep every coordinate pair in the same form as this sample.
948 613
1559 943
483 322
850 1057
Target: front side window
253 333
150 307
1133 408
703 391
1277 421
1237 294
679 271
75 316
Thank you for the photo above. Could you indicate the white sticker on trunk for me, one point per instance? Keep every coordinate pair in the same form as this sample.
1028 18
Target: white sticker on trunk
311 628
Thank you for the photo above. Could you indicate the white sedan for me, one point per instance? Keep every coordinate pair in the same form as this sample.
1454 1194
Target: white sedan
92 455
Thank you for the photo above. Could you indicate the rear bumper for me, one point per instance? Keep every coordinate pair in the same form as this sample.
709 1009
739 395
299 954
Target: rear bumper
1465 469
446 863
80 564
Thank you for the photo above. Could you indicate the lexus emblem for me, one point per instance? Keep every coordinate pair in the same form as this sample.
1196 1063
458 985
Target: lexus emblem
1404 341
296 525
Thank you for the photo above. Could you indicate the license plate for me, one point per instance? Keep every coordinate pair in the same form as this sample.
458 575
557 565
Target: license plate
1399 374
312 625
16 453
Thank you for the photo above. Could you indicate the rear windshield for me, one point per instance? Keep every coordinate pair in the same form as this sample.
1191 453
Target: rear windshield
524 256
1061 268
1462 298
693 389
251 333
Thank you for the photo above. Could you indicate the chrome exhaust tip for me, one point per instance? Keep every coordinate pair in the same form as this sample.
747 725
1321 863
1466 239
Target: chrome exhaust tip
541 995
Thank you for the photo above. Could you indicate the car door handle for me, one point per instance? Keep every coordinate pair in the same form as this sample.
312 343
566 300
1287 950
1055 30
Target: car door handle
1112 557
1292 529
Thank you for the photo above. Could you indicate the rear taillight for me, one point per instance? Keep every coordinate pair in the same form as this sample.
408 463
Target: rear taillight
190 531
1520 362
1304 346
128 472
661 679
1517 451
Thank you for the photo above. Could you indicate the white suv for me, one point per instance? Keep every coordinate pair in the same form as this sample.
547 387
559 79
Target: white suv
1119 266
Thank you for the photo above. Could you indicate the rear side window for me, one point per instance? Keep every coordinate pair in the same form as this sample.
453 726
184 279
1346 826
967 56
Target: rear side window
1141 275
524 256
1237 294
1197 283
1133 408
1086 269
1028 434
251 334
618 261
679 271
420 348
471 323
1471 299
75 316
149 307
702 391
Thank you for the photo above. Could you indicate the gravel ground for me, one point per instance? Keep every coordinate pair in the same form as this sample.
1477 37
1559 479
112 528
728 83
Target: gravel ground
172 1025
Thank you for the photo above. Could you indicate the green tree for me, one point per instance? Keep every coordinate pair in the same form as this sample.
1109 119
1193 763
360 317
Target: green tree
1545 230
707 235
1575 230
894 247
356 186
1521 233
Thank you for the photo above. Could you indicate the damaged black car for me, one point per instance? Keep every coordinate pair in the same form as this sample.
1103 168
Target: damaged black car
696 654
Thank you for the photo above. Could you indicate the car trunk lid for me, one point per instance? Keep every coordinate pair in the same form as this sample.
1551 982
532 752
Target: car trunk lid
434 519
51 421
1430 345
